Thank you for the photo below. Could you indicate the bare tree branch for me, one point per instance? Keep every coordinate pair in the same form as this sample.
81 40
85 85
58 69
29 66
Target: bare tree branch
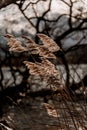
4 3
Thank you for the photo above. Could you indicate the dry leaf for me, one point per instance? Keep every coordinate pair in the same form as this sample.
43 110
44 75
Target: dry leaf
45 69
29 41
51 110
38 49
35 69
48 43
14 44
31 45
18 49
50 68
44 52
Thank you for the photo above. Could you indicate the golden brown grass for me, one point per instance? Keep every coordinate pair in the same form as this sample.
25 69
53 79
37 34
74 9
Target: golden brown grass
68 114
